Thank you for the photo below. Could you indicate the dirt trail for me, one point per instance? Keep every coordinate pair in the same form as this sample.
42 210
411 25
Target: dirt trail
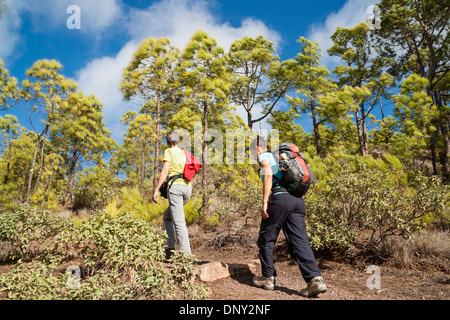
346 277
345 281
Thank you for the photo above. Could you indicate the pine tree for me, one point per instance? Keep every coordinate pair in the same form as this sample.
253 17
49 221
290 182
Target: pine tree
3 7
139 138
206 83
414 34
355 47
10 130
150 75
313 82
9 91
44 90
81 134
250 60
416 112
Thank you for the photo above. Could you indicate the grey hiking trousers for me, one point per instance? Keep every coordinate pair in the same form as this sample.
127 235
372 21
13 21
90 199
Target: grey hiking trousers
174 220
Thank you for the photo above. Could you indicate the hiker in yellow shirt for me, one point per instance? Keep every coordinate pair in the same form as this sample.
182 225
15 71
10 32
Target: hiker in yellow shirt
178 194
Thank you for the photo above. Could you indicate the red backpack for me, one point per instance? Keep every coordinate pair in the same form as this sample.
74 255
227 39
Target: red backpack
191 167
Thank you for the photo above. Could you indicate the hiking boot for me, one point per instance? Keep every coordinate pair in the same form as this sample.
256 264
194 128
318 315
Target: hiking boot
169 252
315 286
267 283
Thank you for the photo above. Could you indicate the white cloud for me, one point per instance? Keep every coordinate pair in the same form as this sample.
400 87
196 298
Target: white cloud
180 19
8 37
176 19
102 77
352 13
10 24
96 16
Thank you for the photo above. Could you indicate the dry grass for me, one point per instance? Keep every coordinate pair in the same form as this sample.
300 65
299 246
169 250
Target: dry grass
428 249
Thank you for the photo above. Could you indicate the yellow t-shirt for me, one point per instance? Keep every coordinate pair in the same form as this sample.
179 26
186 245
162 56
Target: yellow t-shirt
177 160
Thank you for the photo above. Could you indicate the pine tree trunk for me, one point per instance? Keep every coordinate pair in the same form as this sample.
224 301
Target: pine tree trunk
364 131
143 152
41 165
205 203
157 144
381 110
8 164
440 138
249 110
360 126
249 120
31 172
316 132
73 164
33 162
434 136
444 136
433 152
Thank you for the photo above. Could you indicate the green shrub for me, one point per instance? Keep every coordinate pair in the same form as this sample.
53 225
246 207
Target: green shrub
31 231
120 257
374 199
235 193
130 200
95 187
32 281
192 209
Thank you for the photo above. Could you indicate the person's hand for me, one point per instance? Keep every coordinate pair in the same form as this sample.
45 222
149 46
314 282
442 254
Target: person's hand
156 196
264 213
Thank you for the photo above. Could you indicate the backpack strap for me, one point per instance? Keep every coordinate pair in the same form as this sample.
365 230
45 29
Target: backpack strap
172 179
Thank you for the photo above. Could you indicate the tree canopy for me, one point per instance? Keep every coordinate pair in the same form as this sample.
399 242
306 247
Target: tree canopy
66 155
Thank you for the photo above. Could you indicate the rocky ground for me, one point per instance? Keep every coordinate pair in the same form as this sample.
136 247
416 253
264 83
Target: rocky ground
346 277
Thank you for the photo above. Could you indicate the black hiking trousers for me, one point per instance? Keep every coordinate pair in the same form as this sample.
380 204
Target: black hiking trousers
287 212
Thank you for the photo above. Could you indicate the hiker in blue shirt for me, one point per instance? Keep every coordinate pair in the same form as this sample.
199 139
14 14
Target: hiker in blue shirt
279 210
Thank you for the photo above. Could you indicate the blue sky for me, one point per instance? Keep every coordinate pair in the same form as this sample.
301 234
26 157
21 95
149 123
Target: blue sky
112 29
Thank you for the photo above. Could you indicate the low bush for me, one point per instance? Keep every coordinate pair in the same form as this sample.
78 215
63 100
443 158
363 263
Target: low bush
119 257
28 232
371 198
